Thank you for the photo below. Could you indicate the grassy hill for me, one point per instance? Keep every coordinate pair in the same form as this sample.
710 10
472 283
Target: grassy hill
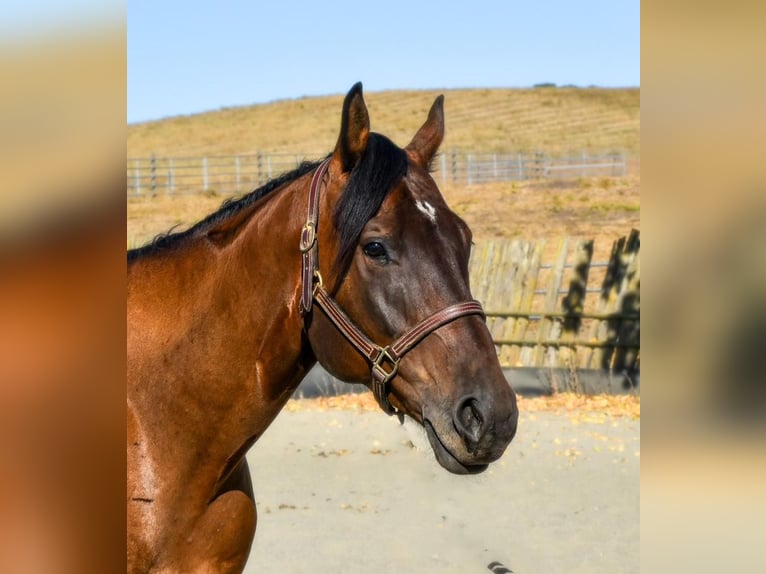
550 119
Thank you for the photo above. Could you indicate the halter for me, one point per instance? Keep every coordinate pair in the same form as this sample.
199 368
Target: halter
384 361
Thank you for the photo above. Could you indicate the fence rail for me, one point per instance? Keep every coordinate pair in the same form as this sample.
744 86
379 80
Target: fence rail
548 315
244 172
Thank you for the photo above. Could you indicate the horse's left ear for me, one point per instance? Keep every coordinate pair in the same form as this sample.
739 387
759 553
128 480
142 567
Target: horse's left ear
426 142
354 129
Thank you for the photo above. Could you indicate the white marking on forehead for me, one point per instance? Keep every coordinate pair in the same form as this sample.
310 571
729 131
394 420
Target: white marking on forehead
427 209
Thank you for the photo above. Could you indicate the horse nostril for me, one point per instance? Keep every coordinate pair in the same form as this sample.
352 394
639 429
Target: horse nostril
470 420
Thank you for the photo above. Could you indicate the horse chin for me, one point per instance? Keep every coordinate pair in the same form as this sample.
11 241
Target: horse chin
446 458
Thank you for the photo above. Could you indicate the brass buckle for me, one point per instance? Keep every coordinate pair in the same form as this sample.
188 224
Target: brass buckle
319 283
379 369
308 236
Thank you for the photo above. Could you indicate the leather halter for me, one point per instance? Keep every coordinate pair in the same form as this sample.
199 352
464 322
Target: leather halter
384 361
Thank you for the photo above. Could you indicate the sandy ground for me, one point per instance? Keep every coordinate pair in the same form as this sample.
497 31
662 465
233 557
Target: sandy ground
342 491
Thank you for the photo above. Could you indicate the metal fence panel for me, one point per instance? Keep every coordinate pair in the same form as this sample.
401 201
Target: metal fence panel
245 172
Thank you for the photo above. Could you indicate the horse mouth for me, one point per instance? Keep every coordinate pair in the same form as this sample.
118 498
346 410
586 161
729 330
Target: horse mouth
446 458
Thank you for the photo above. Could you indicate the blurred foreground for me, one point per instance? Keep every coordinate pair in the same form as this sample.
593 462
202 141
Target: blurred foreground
704 226
62 310
704 297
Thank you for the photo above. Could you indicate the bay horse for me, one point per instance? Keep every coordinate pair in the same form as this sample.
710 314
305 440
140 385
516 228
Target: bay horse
355 262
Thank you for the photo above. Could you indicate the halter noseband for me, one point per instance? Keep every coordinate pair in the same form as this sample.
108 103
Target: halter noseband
384 361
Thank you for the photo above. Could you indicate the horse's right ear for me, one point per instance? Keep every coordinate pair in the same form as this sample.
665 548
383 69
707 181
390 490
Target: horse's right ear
430 135
354 129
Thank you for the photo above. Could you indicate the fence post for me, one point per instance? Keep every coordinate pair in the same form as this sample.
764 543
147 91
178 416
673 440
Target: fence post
153 172
469 168
444 168
137 177
171 184
521 167
236 163
620 164
549 328
454 166
259 166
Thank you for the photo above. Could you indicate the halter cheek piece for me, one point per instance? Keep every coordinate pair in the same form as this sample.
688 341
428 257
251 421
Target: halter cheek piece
384 361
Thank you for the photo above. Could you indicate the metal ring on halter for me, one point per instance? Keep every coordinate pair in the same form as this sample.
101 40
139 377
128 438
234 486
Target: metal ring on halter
381 378
380 371
319 283
308 236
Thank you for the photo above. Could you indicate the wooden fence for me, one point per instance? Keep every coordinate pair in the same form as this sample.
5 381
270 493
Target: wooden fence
569 312
242 173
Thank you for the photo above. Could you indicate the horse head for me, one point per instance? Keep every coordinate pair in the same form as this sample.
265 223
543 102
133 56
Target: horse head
392 262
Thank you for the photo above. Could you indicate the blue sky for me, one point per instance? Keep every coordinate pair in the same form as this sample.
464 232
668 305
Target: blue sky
23 20
188 57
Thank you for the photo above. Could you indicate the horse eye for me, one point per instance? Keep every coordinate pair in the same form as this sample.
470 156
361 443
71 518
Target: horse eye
375 250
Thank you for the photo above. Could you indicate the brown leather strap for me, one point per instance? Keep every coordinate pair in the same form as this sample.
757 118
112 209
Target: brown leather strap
393 353
412 337
308 244
385 360
359 340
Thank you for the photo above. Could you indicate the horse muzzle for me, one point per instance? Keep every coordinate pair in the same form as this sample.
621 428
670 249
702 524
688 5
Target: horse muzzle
472 437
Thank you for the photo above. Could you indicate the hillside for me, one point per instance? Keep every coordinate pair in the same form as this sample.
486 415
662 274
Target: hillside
552 119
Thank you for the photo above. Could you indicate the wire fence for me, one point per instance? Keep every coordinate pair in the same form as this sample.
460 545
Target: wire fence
244 172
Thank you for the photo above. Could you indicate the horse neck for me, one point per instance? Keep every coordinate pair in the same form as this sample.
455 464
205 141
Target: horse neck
221 338
260 271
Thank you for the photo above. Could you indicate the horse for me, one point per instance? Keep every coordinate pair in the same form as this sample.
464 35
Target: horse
355 262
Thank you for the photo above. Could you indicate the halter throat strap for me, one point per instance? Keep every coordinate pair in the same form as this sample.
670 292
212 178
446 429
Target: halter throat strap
384 360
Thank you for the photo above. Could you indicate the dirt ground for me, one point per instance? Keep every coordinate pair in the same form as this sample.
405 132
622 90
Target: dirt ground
353 491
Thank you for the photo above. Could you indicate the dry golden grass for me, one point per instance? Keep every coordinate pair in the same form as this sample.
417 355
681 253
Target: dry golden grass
587 208
550 119
590 208
553 119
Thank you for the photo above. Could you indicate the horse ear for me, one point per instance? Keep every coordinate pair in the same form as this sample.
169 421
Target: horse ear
354 129
426 142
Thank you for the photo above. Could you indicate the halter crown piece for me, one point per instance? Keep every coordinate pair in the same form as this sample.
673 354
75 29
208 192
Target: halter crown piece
384 360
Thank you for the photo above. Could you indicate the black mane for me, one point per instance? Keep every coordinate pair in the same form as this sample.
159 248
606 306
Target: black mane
380 167
378 170
227 209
